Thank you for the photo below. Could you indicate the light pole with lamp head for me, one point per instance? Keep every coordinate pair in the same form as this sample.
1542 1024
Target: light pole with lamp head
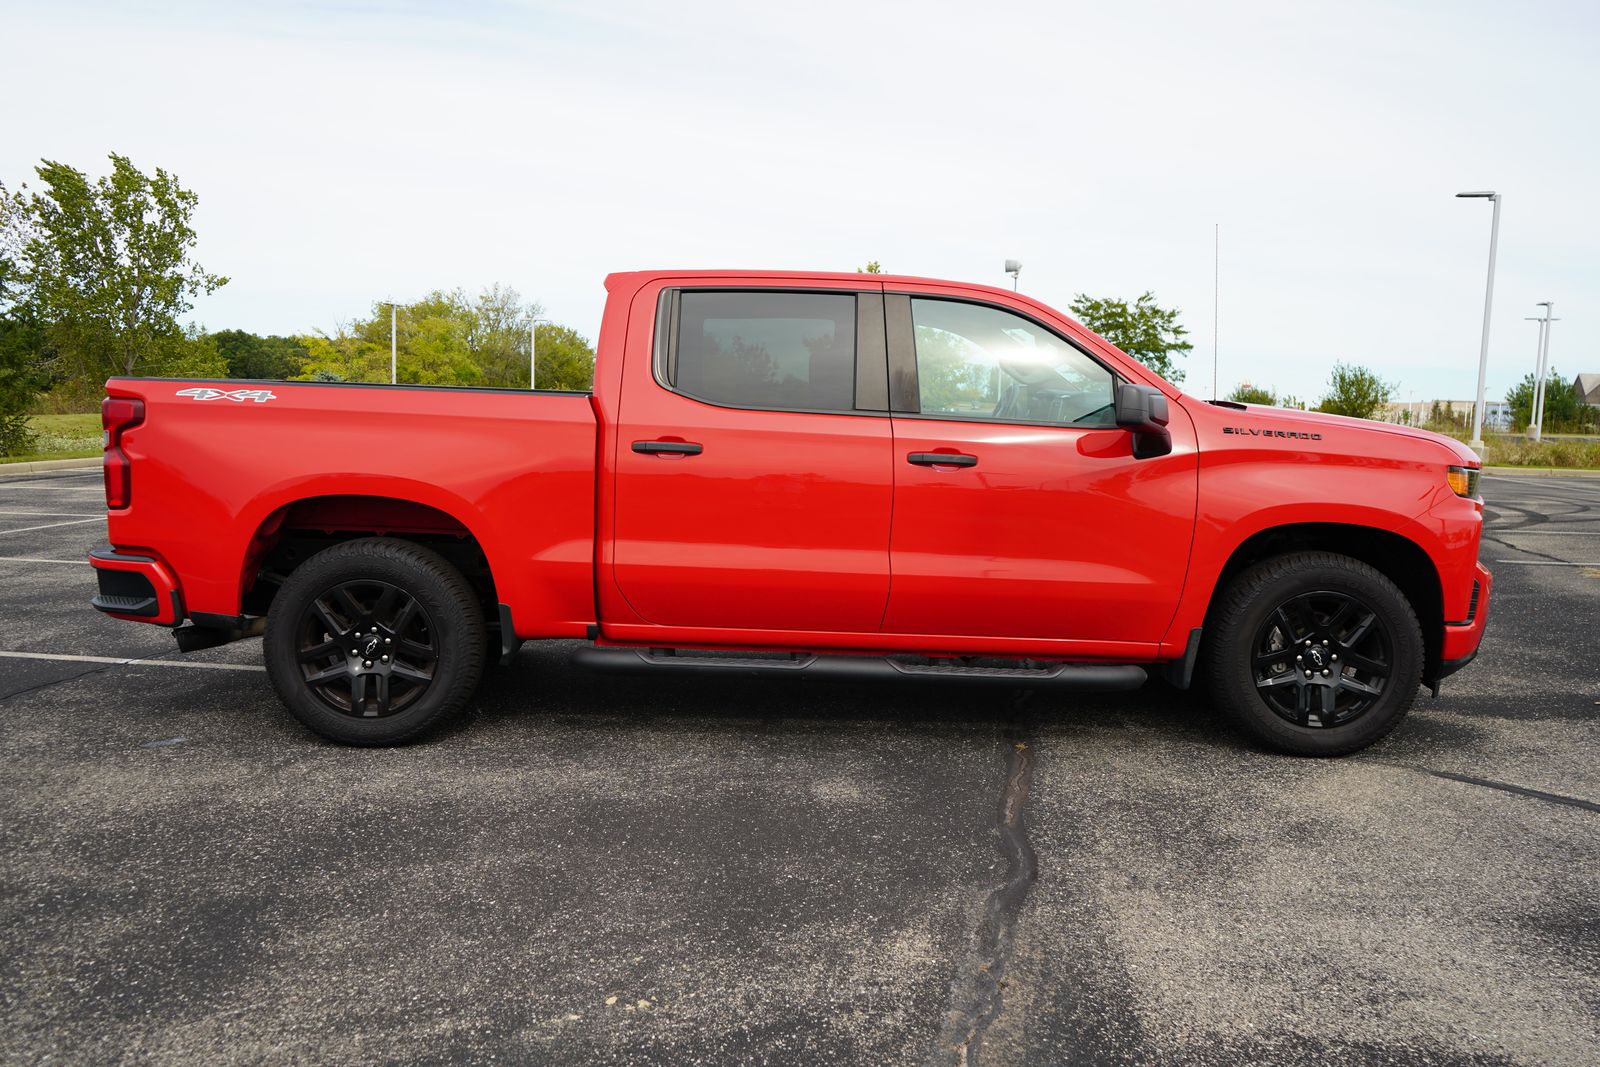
1013 268
1538 362
1538 368
1488 305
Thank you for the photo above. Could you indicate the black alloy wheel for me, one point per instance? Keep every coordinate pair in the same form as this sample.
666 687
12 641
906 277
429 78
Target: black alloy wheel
366 649
1322 659
1314 653
375 641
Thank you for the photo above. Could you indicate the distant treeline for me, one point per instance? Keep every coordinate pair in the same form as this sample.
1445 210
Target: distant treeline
97 276
442 339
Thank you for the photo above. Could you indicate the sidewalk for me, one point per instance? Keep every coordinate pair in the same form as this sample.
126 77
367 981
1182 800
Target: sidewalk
11 470
1548 472
1558 472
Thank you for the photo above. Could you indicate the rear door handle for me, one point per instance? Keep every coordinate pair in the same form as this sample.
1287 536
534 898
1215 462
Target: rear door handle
668 448
942 459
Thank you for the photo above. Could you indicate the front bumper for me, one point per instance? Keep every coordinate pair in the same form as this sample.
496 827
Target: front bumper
1461 639
135 587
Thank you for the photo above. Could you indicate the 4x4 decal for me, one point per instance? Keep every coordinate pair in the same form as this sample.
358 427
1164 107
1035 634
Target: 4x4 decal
238 396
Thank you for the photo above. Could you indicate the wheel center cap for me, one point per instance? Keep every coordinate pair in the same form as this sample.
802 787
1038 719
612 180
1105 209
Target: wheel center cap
1316 657
369 645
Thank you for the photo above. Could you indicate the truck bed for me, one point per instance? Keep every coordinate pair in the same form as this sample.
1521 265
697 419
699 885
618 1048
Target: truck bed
223 470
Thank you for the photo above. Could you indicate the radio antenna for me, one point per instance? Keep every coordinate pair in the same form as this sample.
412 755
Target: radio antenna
1216 298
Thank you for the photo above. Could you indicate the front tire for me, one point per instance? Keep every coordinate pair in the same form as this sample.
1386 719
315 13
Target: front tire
1315 654
375 641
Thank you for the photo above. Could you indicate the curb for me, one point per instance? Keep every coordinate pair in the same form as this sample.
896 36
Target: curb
11 470
1546 472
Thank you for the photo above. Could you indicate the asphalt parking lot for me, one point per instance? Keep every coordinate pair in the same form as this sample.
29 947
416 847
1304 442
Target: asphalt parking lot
592 869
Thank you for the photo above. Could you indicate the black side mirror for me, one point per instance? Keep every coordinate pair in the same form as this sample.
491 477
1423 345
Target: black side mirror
1143 409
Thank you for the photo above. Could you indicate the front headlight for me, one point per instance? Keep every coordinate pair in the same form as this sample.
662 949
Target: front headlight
1463 480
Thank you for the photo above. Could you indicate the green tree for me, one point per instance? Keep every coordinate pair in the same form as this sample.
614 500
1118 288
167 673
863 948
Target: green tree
566 359
21 337
1253 394
433 340
430 338
447 338
250 355
343 357
111 271
497 335
1144 330
1519 398
1355 391
1564 409
872 267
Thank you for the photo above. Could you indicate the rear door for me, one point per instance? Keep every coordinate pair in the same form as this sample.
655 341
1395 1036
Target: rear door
1020 510
753 461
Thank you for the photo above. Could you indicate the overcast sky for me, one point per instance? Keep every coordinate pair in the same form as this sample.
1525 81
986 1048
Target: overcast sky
346 151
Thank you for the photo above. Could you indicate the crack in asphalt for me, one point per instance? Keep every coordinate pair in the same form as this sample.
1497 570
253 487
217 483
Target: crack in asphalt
1505 787
74 677
56 681
977 990
1487 536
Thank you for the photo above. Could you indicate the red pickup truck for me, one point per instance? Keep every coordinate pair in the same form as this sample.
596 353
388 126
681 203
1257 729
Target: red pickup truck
801 475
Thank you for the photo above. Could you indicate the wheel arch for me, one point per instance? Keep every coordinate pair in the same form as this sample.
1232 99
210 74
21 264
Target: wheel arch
293 529
1403 561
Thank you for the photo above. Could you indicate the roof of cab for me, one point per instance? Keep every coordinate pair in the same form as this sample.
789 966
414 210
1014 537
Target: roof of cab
637 278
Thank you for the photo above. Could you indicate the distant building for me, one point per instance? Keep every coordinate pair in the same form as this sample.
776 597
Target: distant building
1588 388
1496 413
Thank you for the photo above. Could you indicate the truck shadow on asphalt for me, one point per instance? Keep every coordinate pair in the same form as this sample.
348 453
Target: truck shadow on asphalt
543 683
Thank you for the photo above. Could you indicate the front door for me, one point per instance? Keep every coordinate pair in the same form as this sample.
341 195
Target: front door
1019 508
753 465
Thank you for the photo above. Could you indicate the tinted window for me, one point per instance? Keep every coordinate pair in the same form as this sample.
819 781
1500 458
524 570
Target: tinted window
978 362
768 350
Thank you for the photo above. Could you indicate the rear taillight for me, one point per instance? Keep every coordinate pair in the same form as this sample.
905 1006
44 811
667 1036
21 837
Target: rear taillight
117 415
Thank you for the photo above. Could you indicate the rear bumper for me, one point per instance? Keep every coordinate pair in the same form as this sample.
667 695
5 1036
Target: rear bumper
135 587
1461 639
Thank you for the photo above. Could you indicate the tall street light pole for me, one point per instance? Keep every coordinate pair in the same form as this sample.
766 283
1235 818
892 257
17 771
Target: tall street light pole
1538 372
1488 305
1543 368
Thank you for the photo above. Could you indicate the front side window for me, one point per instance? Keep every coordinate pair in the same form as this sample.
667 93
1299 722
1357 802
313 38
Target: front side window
979 362
792 351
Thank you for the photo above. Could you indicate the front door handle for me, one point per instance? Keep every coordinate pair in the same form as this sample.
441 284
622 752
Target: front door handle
667 448
942 459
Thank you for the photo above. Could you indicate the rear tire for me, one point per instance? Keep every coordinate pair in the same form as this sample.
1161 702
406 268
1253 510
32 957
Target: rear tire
375 642
1314 654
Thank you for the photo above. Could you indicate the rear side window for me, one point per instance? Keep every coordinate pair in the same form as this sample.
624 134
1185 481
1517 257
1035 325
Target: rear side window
767 349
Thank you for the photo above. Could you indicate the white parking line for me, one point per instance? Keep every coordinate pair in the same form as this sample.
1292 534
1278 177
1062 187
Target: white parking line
52 525
1543 563
56 488
35 559
53 657
46 514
